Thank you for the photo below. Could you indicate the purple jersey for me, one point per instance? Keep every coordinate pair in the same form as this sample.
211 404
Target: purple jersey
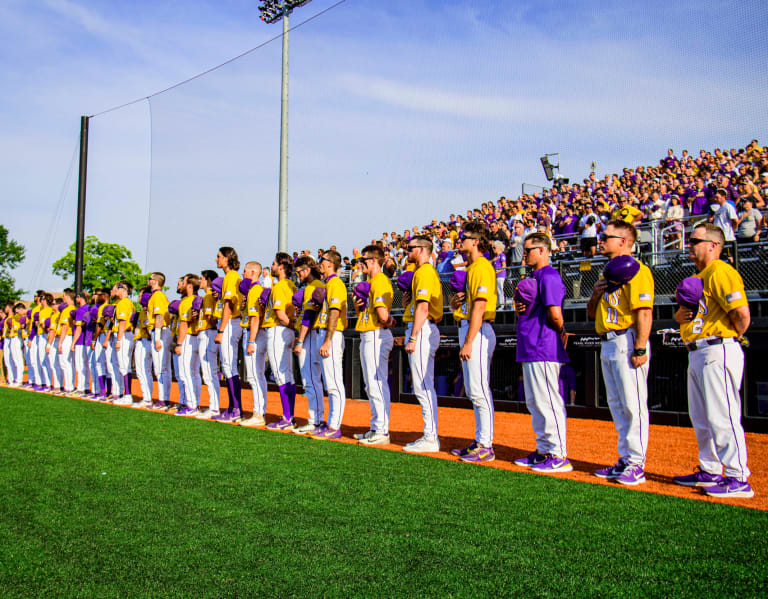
537 341
83 315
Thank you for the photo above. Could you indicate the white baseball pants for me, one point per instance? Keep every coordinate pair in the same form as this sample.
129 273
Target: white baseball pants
477 372
230 341
279 352
422 363
113 368
714 381
542 396
82 370
15 354
142 362
333 374
627 393
209 364
255 365
311 367
189 370
161 364
42 358
375 347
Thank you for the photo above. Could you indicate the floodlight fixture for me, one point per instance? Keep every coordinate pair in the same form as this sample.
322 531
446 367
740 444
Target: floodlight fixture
549 168
274 10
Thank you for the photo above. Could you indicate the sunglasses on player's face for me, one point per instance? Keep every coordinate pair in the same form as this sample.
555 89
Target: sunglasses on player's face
697 241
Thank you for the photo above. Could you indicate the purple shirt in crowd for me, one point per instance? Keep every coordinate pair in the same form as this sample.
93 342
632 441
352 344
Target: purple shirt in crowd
537 341
83 314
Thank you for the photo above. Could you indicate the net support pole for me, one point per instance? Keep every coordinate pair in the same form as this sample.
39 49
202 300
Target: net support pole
282 226
81 185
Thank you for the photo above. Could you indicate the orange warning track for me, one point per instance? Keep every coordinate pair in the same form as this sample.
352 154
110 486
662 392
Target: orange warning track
591 444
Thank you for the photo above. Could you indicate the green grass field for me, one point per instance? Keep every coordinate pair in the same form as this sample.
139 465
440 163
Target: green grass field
101 501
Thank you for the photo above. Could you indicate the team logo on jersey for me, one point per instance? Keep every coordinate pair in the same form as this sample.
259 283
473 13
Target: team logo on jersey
482 289
379 299
335 300
733 296
644 297
276 303
422 292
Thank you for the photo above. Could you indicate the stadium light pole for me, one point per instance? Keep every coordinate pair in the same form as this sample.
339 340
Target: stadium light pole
272 11
81 186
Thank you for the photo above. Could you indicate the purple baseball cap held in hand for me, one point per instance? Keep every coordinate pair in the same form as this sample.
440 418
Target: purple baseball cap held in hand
173 307
458 281
361 291
61 307
526 292
29 312
298 299
245 286
36 317
689 293
216 285
94 310
618 271
197 303
318 297
144 299
264 297
404 280
109 311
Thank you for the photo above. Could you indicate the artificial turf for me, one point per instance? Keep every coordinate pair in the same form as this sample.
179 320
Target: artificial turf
103 501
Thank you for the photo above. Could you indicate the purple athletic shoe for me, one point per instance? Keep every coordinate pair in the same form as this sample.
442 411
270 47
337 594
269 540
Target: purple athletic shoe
730 487
612 471
160 405
553 463
225 416
234 417
698 479
464 450
632 475
183 411
479 454
280 425
327 433
532 459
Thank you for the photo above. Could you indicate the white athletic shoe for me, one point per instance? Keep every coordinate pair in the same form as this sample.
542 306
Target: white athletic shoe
423 445
125 400
365 435
253 421
145 404
207 414
378 438
306 429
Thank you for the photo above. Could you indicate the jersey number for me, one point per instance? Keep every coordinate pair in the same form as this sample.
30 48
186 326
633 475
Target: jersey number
698 323
612 316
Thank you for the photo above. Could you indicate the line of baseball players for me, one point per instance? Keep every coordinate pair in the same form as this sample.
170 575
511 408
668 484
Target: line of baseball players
274 323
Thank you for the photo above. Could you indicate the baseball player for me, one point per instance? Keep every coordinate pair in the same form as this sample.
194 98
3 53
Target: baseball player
99 353
209 350
187 348
374 322
157 307
475 310
173 310
15 350
51 347
46 299
122 330
229 331
329 341
79 346
64 345
278 317
541 350
622 303
3 353
423 310
254 343
309 356
711 329
33 343
142 350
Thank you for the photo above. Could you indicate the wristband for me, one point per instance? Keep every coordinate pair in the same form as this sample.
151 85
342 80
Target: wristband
251 343
639 351
220 332
299 343
412 339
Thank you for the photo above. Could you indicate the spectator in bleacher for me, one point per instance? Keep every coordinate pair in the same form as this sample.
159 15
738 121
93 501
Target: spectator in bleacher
515 256
749 190
443 263
497 234
674 219
725 217
499 263
589 226
627 212
749 222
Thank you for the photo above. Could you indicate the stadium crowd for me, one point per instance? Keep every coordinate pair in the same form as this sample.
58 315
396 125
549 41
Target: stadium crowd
90 345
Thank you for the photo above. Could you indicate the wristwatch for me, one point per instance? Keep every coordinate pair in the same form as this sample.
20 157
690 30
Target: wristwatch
639 352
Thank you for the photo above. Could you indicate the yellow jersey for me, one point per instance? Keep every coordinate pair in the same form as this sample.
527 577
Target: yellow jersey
66 318
615 312
230 290
380 296
335 299
123 313
158 306
54 321
723 292
185 314
628 214
481 284
45 312
253 308
206 312
279 299
426 287
144 326
309 289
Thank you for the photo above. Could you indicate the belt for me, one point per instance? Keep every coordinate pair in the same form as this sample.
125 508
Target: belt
701 343
465 322
613 334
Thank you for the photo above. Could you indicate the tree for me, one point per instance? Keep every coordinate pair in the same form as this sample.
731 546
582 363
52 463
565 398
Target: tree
103 265
11 255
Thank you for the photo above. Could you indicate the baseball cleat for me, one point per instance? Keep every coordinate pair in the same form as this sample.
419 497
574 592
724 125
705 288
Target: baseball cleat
125 400
376 438
698 479
479 454
184 411
235 416
225 416
306 429
611 471
552 464
464 450
160 405
207 414
632 475
730 487
253 421
327 433
423 445
532 459
364 435
281 425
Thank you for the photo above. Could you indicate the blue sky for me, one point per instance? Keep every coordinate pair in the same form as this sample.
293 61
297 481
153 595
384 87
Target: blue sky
400 111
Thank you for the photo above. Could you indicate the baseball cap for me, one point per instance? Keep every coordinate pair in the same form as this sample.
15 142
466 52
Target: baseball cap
361 291
689 292
404 280
173 307
245 285
620 270
298 299
108 311
144 299
318 297
458 281
264 297
197 303
216 284
526 292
